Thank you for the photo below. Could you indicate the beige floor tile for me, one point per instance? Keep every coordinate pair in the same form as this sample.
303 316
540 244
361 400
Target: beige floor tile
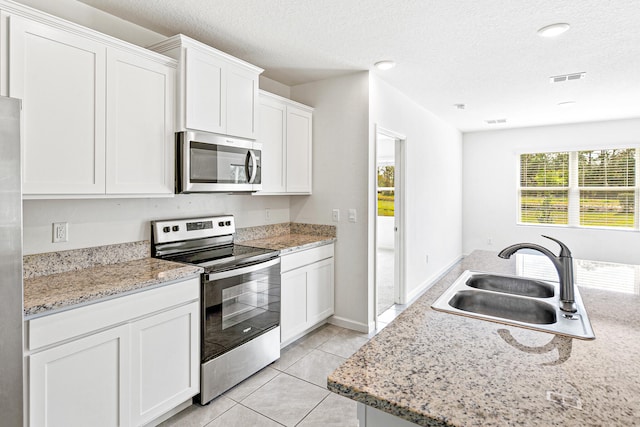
286 399
345 343
315 367
199 416
334 411
251 384
240 416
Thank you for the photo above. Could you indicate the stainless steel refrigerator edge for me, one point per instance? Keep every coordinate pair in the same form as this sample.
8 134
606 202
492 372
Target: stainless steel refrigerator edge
11 295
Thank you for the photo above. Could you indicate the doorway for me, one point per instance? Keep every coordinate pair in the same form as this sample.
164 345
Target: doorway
389 224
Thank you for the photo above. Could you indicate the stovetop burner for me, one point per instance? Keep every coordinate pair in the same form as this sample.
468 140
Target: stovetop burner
206 242
223 258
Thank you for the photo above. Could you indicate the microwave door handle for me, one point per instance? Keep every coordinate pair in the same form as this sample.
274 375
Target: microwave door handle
251 160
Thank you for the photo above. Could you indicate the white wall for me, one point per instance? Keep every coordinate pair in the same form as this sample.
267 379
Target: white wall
433 187
340 146
490 184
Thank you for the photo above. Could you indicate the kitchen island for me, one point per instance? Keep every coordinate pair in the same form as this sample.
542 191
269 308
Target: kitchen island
438 369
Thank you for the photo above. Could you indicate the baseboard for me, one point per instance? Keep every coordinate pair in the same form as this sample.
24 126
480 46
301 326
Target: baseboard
431 280
350 324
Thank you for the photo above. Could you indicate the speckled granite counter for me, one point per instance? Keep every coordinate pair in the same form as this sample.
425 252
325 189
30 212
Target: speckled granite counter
287 237
290 242
47 294
439 369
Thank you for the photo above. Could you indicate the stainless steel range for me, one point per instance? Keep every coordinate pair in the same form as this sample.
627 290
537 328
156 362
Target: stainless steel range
240 297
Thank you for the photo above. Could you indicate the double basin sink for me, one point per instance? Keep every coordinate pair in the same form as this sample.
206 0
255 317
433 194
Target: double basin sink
515 301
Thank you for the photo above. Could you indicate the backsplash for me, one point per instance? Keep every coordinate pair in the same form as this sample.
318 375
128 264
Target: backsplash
77 259
274 230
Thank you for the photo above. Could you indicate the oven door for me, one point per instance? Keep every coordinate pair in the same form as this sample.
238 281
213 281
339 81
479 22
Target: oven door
215 163
239 305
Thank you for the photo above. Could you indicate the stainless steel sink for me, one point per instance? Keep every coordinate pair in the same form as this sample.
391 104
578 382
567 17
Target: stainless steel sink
505 306
511 285
514 301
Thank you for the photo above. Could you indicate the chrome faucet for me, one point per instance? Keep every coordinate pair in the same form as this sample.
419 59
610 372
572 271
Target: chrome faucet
563 264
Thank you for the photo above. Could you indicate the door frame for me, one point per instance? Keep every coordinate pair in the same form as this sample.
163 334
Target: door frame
400 288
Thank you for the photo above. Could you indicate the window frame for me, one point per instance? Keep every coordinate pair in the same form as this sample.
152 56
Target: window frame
573 189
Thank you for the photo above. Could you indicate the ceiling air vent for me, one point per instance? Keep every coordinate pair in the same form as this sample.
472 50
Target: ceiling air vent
567 77
495 121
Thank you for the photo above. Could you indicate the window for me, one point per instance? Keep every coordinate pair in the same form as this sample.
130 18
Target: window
596 188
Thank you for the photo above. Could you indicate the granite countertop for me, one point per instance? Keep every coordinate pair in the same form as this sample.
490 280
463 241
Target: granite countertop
440 369
288 243
47 294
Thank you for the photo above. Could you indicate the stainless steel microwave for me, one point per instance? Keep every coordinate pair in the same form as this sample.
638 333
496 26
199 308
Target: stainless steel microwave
209 163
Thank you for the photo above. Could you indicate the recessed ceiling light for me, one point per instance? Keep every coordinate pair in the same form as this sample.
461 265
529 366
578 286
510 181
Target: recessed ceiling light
385 65
553 30
566 104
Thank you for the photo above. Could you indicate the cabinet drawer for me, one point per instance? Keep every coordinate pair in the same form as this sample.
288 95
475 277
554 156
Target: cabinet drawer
58 327
305 257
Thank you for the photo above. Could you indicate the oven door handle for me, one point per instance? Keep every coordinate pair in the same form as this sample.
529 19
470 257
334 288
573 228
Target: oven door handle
243 270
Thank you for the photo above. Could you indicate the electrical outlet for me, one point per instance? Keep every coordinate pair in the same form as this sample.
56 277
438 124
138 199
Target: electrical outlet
60 232
426 259
267 214
335 215
489 241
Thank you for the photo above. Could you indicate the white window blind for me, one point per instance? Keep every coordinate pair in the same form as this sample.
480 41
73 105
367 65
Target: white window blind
607 184
544 188
595 188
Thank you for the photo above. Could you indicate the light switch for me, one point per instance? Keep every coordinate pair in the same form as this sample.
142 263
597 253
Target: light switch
352 215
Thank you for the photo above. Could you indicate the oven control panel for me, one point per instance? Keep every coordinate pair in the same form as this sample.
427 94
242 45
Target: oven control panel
174 230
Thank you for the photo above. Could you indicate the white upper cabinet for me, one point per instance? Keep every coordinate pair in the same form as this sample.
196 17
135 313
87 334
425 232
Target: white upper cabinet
140 134
285 131
97 113
204 92
60 77
217 92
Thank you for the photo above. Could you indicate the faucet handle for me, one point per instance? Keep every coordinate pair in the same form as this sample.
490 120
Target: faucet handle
564 250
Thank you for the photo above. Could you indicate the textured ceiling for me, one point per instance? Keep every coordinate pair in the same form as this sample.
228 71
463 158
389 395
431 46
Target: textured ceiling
482 53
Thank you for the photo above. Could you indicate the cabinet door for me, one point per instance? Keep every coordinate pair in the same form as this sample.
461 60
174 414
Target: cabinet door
299 128
320 291
271 133
60 78
140 99
205 92
82 383
165 362
293 310
242 102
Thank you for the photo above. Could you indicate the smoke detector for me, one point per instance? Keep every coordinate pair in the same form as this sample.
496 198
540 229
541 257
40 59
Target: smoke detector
567 77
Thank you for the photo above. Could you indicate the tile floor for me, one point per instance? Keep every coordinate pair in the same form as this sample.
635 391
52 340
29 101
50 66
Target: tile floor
292 391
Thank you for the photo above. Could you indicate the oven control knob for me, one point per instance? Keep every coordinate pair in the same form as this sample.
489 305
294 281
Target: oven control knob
221 224
227 223
166 229
176 228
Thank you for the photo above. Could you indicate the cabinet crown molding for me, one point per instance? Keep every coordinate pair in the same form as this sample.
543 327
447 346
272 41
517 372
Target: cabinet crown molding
180 40
8 7
265 94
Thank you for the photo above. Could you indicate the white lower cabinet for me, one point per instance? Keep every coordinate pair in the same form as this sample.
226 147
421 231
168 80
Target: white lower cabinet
83 382
123 362
163 372
307 291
